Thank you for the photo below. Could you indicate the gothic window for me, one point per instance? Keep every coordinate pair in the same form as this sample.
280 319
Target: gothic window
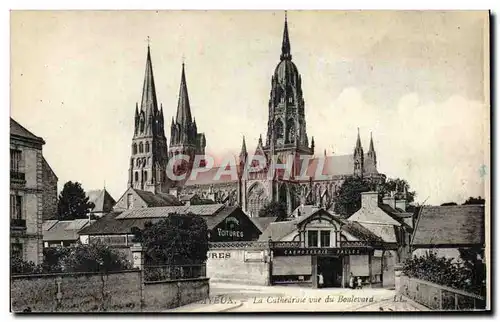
134 148
147 147
256 199
138 163
141 148
278 128
145 176
149 161
137 175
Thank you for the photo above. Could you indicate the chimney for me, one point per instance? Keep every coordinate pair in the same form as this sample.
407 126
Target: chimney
401 204
369 199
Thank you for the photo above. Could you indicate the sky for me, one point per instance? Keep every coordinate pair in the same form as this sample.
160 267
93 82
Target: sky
416 80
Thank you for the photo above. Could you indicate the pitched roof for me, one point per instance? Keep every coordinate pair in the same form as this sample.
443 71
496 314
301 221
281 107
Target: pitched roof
395 214
278 230
450 225
109 225
158 199
113 223
212 176
159 212
102 200
63 229
18 130
384 231
333 165
262 222
281 229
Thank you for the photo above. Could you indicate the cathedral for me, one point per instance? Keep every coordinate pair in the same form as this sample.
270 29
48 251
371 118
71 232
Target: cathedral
313 180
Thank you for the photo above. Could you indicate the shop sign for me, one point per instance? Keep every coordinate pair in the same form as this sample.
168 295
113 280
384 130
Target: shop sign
320 251
254 256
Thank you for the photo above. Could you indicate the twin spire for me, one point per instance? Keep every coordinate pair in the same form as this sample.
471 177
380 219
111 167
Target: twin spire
183 107
358 143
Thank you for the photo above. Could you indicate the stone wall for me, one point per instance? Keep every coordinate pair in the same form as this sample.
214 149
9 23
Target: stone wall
163 295
79 292
94 292
238 266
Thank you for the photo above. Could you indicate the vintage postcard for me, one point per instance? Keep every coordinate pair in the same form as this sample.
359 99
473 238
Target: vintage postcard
249 161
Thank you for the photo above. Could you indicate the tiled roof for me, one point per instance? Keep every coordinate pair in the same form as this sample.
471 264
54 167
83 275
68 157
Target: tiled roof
384 231
304 210
47 224
262 222
17 129
281 229
395 214
114 224
63 230
102 200
450 225
109 225
159 212
158 199
278 230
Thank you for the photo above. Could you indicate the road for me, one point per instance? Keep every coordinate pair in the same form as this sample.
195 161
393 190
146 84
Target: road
230 298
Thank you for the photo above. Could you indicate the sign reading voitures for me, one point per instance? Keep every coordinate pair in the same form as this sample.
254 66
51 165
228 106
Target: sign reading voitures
320 251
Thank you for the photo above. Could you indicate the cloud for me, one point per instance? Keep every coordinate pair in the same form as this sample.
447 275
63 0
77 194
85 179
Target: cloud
438 147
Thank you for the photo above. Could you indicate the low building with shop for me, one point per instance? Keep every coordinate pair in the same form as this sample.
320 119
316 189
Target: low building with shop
317 242
225 223
445 230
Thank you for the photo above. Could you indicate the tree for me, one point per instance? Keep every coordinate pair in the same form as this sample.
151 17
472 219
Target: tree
177 239
449 204
348 199
73 202
474 201
274 209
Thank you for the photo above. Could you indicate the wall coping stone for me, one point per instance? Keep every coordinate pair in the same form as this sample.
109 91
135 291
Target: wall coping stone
177 280
70 274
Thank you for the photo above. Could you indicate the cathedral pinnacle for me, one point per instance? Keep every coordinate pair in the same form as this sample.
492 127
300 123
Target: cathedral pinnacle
285 46
358 141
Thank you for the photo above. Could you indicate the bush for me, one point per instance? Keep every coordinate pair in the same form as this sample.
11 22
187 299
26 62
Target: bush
95 257
79 258
444 271
20 266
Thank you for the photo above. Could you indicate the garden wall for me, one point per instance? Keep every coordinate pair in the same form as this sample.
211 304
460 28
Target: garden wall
163 295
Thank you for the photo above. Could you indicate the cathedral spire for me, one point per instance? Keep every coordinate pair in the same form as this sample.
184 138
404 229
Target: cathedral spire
149 103
371 149
358 142
285 45
183 108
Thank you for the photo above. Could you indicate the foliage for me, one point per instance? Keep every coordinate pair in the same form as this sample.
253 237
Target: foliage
274 209
399 186
348 199
177 239
95 257
79 258
20 266
475 201
460 274
449 204
73 202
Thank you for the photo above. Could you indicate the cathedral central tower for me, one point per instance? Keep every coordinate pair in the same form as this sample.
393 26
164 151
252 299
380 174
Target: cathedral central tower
286 127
